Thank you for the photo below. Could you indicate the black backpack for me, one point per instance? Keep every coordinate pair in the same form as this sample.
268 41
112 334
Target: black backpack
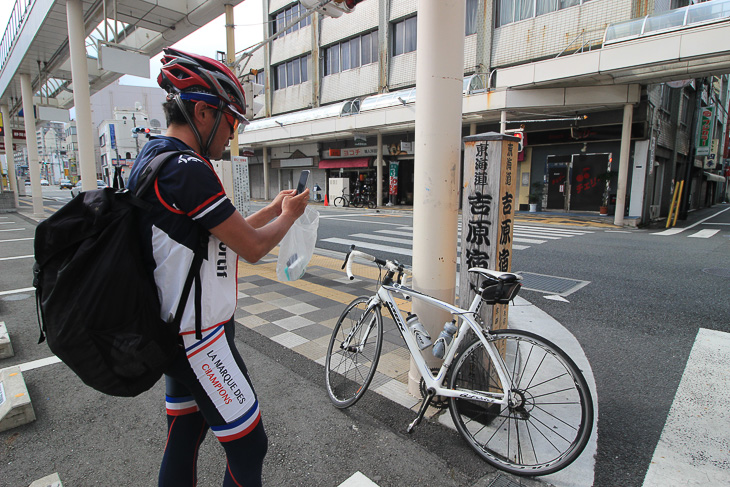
97 300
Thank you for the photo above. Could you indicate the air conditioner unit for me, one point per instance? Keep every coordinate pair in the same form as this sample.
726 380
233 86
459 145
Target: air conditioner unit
654 212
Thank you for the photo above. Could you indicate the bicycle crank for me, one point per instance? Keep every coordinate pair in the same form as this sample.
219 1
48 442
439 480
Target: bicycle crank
438 402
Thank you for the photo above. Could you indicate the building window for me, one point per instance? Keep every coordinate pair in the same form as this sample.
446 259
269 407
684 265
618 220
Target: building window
351 54
666 98
471 17
102 140
281 19
686 113
509 11
404 36
292 72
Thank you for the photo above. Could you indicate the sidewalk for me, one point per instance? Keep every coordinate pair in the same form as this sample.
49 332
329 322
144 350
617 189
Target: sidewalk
300 316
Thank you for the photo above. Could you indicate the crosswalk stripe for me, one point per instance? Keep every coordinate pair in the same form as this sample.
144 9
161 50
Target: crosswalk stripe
16 239
395 232
707 233
528 240
555 231
370 236
530 234
12 229
670 231
367 245
692 449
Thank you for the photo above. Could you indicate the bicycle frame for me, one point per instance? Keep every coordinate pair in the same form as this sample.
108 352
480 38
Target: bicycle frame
384 297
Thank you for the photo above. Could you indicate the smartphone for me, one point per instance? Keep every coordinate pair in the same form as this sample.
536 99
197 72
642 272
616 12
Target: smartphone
303 181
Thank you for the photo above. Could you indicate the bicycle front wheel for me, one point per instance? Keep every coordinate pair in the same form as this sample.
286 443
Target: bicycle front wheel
353 352
339 201
357 202
550 414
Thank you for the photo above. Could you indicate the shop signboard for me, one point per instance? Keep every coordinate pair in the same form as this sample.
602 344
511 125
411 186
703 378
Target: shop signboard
347 153
711 160
703 141
490 172
393 179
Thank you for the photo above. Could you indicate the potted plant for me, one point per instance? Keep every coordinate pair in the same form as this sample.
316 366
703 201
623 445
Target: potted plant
605 179
535 196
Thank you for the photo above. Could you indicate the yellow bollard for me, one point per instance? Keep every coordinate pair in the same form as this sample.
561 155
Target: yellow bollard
671 207
676 210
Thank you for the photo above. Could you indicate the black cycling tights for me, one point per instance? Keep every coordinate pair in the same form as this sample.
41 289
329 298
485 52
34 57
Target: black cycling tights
244 456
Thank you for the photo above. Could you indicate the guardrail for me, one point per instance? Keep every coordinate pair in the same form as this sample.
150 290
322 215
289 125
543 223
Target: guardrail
15 22
690 16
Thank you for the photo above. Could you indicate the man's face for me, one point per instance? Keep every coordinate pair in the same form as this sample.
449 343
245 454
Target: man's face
224 133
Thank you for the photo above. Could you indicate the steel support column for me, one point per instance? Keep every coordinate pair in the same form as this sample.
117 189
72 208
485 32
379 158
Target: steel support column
9 153
82 96
35 171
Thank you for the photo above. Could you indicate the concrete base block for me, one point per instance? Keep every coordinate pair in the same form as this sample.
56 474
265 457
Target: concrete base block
15 406
52 480
6 348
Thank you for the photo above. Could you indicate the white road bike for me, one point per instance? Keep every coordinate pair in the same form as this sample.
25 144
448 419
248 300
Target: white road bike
518 400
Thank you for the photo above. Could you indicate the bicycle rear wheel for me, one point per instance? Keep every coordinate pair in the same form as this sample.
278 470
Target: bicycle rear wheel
357 201
550 416
353 352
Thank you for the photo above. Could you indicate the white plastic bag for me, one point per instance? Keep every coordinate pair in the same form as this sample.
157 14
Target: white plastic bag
297 246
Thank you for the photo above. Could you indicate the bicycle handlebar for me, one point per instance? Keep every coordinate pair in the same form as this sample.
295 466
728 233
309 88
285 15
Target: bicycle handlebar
352 253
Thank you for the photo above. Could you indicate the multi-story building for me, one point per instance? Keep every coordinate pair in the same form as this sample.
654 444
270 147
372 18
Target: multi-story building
339 90
50 138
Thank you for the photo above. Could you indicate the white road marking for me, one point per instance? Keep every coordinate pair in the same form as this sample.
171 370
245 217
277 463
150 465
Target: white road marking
693 446
35 364
670 231
16 239
555 297
16 291
382 238
12 229
17 257
383 248
358 479
707 233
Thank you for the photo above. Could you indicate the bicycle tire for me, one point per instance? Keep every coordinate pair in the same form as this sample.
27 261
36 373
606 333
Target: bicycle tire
551 421
371 204
339 202
349 371
357 202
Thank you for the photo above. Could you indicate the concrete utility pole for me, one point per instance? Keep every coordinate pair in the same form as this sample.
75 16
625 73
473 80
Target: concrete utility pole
439 75
623 165
231 62
82 96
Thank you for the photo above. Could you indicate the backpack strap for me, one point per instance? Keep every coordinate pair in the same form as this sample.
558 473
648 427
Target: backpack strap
150 171
146 179
194 274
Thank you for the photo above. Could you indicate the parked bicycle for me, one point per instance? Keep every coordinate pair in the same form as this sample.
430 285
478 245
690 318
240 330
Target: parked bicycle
518 400
357 201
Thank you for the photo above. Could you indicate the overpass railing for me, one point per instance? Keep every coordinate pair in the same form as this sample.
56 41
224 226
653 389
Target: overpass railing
690 16
15 22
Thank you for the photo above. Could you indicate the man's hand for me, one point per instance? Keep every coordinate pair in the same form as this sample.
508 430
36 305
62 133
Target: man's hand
276 203
293 205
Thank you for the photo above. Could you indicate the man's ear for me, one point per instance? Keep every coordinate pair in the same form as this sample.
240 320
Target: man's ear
199 111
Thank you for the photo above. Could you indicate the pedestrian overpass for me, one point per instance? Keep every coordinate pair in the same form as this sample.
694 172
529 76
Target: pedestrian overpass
54 54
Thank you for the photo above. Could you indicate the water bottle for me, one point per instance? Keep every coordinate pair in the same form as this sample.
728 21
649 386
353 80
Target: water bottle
444 339
423 339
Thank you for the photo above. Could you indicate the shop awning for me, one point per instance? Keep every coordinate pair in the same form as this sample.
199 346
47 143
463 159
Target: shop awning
714 177
338 163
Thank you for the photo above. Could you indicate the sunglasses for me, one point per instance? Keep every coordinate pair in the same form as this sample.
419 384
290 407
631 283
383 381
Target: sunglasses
232 120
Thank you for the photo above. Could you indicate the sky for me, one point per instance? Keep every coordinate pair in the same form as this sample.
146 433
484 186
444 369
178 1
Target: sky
247 17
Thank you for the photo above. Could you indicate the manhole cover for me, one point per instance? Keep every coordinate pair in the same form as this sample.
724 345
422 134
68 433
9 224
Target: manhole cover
717 271
561 286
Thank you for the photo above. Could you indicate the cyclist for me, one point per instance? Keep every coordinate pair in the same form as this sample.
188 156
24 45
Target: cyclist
208 386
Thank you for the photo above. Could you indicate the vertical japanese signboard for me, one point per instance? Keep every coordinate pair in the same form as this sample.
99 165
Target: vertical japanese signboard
704 130
488 209
241 185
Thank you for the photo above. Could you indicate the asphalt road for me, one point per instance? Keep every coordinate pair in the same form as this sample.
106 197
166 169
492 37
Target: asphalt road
637 319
